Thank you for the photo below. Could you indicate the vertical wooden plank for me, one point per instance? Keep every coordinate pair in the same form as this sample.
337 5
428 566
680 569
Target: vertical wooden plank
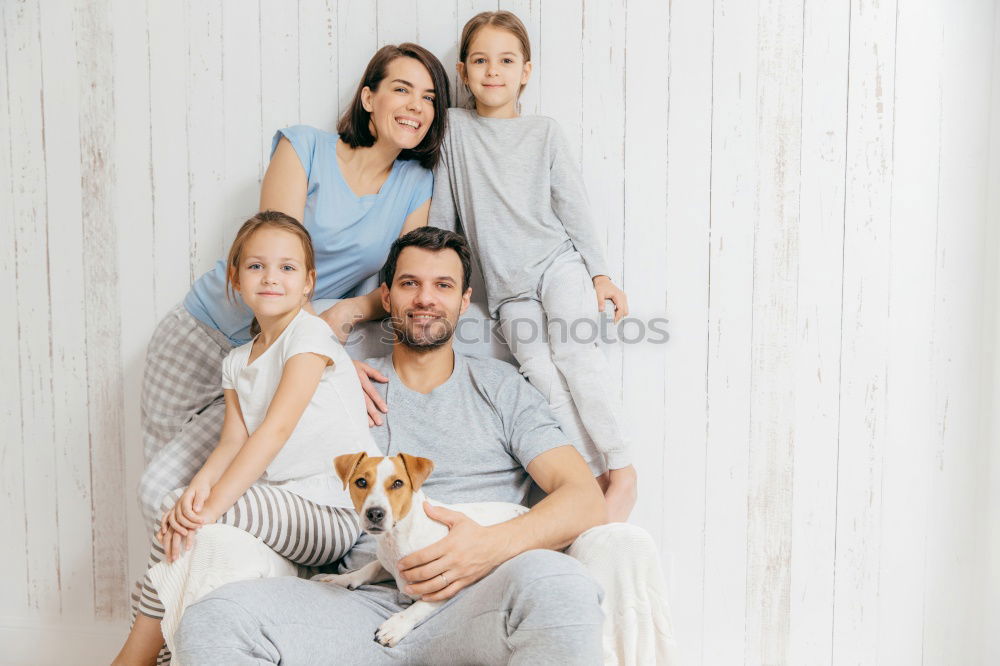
530 13
689 114
33 307
395 21
71 425
954 556
603 153
864 330
562 51
817 346
168 127
241 94
279 69
318 64
775 318
991 415
206 131
469 8
730 284
356 43
103 314
646 28
909 397
133 214
13 547
438 31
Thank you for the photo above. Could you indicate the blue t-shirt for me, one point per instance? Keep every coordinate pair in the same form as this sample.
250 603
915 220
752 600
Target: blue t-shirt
351 235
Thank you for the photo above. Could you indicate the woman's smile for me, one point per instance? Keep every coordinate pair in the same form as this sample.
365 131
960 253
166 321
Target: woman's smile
410 123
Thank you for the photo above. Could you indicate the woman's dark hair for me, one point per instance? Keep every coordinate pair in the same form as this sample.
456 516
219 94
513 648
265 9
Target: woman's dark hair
354 124
428 238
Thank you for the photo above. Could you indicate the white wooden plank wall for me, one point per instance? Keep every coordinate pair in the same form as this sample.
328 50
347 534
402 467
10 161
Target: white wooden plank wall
991 376
807 190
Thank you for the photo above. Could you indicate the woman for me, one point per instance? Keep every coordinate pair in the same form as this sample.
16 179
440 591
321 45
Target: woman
355 192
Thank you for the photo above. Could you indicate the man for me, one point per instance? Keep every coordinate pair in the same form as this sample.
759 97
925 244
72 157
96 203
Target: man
489 434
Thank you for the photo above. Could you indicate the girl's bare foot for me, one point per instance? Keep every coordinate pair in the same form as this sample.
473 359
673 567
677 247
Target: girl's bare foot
620 493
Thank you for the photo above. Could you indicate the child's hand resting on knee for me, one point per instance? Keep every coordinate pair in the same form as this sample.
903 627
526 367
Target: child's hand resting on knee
179 524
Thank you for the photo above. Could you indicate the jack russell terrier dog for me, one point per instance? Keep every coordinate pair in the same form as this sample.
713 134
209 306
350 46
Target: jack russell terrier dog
387 496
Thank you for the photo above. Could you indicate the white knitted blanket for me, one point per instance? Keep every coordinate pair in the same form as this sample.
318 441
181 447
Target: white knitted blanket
223 554
638 629
622 558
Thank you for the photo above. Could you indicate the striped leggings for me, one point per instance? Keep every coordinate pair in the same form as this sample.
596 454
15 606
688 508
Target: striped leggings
301 531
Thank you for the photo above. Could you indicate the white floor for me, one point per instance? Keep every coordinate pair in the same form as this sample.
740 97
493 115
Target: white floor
41 643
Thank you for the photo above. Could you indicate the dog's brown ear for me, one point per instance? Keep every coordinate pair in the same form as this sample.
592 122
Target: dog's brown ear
417 468
346 464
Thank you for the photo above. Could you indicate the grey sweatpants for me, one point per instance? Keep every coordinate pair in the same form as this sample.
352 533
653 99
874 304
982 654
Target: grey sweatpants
552 335
541 607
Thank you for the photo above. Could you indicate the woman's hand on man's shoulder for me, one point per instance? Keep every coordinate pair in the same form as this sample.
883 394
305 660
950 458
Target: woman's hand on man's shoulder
374 402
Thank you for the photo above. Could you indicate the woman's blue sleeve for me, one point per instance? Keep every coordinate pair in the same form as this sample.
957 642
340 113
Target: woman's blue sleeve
303 140
422 190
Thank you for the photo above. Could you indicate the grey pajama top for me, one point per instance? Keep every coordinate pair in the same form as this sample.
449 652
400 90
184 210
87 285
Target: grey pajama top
513 187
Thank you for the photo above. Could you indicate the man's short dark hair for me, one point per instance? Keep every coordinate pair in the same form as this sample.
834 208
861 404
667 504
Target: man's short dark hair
428 238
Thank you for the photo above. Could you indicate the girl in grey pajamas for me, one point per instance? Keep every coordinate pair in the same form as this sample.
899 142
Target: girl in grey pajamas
511 183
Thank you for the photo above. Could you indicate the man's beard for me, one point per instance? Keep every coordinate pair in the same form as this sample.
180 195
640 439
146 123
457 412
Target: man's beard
430 337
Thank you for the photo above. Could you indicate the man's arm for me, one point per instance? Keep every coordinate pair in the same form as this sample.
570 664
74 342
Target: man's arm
573 505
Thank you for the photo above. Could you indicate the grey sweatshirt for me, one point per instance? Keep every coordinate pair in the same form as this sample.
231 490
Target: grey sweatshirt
512 186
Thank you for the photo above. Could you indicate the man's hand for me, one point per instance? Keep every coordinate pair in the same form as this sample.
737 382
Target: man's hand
341 318
606 290
468 553
373 400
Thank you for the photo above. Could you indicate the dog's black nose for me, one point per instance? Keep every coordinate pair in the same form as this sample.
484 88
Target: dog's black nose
375 515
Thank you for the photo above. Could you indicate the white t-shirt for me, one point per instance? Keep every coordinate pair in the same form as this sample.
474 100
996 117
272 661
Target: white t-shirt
335 421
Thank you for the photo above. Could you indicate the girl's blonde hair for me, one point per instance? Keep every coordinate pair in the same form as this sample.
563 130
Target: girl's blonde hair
502 19
270 219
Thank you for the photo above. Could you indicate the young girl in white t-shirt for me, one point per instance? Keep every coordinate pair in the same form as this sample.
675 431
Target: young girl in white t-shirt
293 403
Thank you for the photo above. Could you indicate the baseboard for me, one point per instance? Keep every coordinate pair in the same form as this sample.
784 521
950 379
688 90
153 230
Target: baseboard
55 642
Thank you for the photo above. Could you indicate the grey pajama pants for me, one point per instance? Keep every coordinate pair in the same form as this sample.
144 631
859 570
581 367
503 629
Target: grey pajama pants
552 335
182 405
539 608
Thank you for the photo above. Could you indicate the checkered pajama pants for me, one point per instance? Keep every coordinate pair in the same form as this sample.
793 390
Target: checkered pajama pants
182 405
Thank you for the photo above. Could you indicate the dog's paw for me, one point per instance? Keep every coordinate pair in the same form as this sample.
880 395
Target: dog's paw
342 580
393 630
